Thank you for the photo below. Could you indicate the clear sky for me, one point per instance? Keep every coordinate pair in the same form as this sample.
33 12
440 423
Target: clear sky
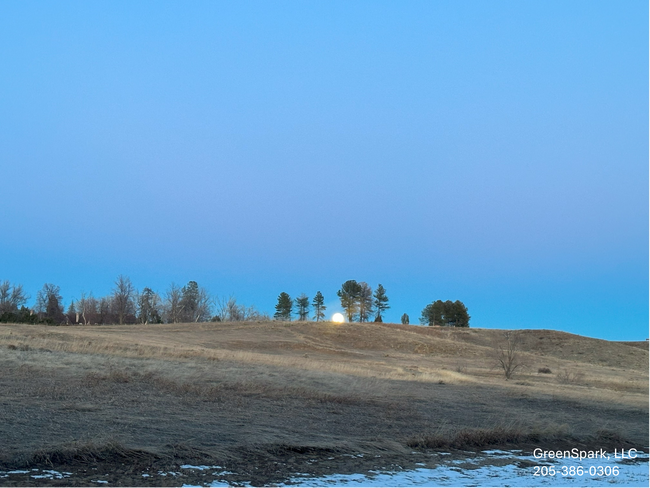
491 152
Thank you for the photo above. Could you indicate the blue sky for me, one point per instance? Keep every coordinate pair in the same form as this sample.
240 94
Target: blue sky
491 152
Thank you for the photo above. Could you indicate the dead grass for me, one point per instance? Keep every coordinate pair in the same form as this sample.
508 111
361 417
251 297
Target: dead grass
500 435
87 453
368 352
278 383
568 377
215 393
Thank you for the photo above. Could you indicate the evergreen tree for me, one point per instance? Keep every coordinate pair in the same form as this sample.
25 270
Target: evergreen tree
381 303
405 319
302 302
189 301
149 307
195 303
284 307
448 313
319 306
48 304
461 315
365 302
433 314
72 315
349 296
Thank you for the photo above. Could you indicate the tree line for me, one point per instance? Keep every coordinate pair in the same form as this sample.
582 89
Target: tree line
124 305
357 299
192 303
361 305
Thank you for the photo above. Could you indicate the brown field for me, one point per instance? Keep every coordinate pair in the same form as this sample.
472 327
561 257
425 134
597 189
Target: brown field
268 399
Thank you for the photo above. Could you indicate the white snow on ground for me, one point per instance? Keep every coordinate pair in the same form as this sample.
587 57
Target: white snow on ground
476 472
50 474
218 484
200 467
505 469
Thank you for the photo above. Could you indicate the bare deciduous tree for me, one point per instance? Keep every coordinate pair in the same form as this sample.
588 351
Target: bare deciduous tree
86 308
507 353
228 310
12 297
172 305
123 294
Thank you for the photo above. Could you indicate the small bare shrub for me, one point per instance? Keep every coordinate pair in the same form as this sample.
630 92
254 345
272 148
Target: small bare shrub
506 353
12 347
609 436
544 371
567 377
461 368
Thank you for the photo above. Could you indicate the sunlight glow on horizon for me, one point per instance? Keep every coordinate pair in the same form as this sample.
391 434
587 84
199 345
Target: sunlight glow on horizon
338 318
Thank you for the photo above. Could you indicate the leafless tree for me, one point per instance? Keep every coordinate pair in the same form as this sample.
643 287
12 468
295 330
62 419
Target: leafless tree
172 304
507 353
228 310
86 308
123 295
104 307
12 297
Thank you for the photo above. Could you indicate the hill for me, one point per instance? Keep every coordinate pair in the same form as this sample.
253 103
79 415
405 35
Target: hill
272 392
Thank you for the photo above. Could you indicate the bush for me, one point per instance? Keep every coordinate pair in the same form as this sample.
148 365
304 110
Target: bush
544 371
567 377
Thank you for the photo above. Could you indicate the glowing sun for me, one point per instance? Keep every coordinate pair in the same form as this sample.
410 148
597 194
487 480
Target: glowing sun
338 318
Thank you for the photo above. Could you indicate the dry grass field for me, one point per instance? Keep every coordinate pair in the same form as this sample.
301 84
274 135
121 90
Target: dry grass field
268 399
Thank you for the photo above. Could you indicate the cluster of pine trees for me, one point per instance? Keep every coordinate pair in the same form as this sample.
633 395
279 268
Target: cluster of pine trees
284 309
450 314
357 299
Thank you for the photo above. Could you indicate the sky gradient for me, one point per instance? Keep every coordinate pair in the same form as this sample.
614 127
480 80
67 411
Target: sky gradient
489 152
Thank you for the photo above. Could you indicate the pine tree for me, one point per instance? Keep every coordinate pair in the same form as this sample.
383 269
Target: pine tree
349 296
149 307
195 303
48 303
405 319
381 303
448 313
365 302
302 302
189 301
284 307
319 306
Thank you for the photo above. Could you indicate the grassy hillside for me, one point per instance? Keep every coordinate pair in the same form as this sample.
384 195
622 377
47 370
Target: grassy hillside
284 392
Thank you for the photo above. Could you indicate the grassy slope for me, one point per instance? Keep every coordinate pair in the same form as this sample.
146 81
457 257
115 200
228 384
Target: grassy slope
231 388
